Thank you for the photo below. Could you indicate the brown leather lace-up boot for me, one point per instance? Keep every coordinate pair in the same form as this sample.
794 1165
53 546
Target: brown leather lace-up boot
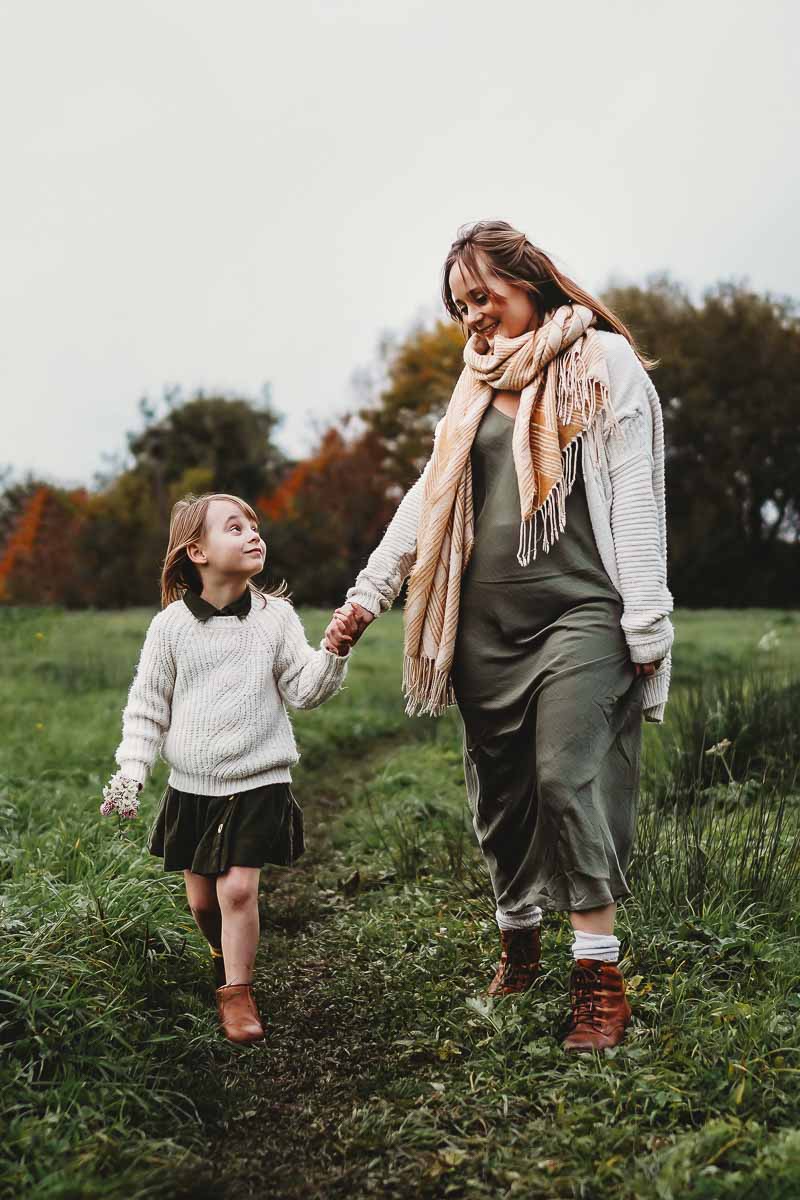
238 1013
519 961
600 1011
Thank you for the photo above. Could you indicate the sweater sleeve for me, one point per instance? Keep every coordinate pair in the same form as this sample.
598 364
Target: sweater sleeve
306 677
378 585
637 518
146 717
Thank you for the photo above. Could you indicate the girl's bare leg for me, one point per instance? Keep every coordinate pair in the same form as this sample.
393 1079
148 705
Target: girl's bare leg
595 920
237 893
201 892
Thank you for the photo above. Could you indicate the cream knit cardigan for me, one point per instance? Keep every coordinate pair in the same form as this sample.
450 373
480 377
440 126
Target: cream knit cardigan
213 695
624 483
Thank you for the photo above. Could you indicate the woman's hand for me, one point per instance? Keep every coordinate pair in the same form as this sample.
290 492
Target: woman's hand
347 625
647 668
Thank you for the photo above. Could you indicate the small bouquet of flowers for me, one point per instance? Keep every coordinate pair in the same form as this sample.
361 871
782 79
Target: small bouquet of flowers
121 795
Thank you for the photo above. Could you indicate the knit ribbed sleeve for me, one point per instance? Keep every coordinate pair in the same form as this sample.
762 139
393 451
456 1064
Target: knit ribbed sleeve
639 554
377 587
635 458
146 718
305 677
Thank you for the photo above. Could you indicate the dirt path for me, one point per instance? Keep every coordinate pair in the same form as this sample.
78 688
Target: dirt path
285 1095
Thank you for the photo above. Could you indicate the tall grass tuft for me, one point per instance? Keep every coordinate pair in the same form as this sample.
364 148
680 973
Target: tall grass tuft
757 713
693 856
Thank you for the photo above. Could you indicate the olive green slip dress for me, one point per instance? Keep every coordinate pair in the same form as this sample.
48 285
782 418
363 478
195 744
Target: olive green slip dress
551 704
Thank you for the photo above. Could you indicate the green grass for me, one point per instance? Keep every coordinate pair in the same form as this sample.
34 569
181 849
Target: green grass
385 1071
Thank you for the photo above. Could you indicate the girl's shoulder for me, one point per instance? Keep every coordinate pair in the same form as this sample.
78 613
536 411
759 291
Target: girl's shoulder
174 615
272 609
168 624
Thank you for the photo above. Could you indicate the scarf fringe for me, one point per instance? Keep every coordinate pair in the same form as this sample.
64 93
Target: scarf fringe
553 512
575 398
428 691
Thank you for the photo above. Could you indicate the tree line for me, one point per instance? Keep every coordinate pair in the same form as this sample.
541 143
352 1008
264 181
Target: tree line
728 375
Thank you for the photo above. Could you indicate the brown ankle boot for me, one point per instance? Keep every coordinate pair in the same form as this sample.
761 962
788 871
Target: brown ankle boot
519 961
238 1013
600 1010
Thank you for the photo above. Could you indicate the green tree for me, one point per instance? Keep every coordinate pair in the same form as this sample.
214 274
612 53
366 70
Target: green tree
729 382
228 440
209 443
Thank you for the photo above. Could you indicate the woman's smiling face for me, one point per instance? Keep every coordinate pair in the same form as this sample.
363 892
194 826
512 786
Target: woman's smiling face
498 308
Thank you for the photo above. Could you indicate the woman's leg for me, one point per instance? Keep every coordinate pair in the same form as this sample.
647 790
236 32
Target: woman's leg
201 892
237 892
595 920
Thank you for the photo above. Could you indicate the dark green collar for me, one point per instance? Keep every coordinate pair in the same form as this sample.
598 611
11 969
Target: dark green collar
204 611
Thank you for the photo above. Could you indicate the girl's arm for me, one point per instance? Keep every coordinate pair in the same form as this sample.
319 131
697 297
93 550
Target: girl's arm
305 677
146 718
377 587
638 524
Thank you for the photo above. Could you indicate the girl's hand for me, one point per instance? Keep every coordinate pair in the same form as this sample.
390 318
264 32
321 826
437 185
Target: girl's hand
356 617
647 668
121 795
338 639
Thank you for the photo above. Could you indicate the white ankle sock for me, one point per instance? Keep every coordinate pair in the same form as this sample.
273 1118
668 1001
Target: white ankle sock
595 945
528 919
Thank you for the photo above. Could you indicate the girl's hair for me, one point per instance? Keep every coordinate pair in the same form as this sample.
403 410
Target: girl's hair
512 257
187 524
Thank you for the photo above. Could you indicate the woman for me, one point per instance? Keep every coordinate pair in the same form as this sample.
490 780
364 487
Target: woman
538 601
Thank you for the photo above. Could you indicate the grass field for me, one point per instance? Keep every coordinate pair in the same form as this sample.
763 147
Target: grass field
385 1071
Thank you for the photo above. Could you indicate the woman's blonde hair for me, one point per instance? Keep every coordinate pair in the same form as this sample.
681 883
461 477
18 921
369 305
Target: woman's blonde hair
512 257
187 525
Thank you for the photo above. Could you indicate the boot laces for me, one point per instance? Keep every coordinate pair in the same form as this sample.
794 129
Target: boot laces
585 988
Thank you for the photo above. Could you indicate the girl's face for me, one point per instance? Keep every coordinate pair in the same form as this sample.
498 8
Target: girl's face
231 543
505 310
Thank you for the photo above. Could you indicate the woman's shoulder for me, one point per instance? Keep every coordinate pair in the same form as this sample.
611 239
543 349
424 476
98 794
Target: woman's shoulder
622 360
628 381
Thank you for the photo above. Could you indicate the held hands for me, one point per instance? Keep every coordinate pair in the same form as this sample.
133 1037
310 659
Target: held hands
346 627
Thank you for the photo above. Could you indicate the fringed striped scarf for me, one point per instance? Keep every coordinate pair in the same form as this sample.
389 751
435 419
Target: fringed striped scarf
561 373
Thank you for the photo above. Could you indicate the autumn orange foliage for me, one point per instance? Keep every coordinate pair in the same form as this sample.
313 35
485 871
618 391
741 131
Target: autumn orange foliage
279 505
23 539
38 559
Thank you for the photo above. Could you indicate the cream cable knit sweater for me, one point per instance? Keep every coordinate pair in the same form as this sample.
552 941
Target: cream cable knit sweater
214 693
624 480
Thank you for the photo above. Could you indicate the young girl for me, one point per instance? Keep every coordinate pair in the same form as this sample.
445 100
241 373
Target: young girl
219 663
535 541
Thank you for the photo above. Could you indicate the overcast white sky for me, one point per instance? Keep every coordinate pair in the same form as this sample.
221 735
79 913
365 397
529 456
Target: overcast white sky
224 194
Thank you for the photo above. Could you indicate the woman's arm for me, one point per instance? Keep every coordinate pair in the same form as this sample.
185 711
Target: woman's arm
378 585
147 713
638 519
305 677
